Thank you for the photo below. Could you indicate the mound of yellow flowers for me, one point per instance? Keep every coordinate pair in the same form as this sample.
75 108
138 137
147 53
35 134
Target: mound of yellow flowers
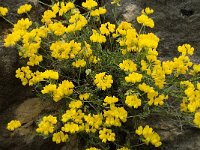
107 77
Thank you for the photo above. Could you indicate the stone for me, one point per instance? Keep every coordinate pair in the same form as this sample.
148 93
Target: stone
28 113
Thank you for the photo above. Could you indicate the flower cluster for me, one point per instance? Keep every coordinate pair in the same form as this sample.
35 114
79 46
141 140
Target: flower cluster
24 9
191 101
197 119
106 135
28 77
89 4
107 28
13 124
115 115
59 137
64 89
144 19
97 37
149 135
133 101
60 8
47 124
152 95
3 11
103 81
77 22
128 65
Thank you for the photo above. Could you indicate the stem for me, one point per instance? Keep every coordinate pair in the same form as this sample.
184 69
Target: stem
195 79
44 4
28 16
7 20
141 29
79 76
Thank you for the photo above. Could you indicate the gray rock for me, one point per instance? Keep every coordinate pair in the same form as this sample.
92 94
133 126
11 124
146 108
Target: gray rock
25 137
10 88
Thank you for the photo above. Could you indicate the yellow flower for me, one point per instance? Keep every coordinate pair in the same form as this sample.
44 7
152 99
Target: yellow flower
139 131
24 9
22 24
46 126
197 119
71 127
93 122
24 74
147 11
77 22
134 77
12 39
115 115
64 89
57 28
75 104
186 49
13 124
145 21
65 7
47 16
97 37
3 11
79 63
103 81
34 60
98 12
50 74
149 135
149 40
89 4
110 100
59 137
133 101
84 96
128 65
49 88
106 135
107 28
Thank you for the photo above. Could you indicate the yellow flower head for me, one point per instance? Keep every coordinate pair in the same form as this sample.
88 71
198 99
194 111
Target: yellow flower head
106 135
103 81
89 4
133 101
3 11
24 9
149 135
110 100
13 124
59 137
197 119
145 21
147 11
79 63
46 126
